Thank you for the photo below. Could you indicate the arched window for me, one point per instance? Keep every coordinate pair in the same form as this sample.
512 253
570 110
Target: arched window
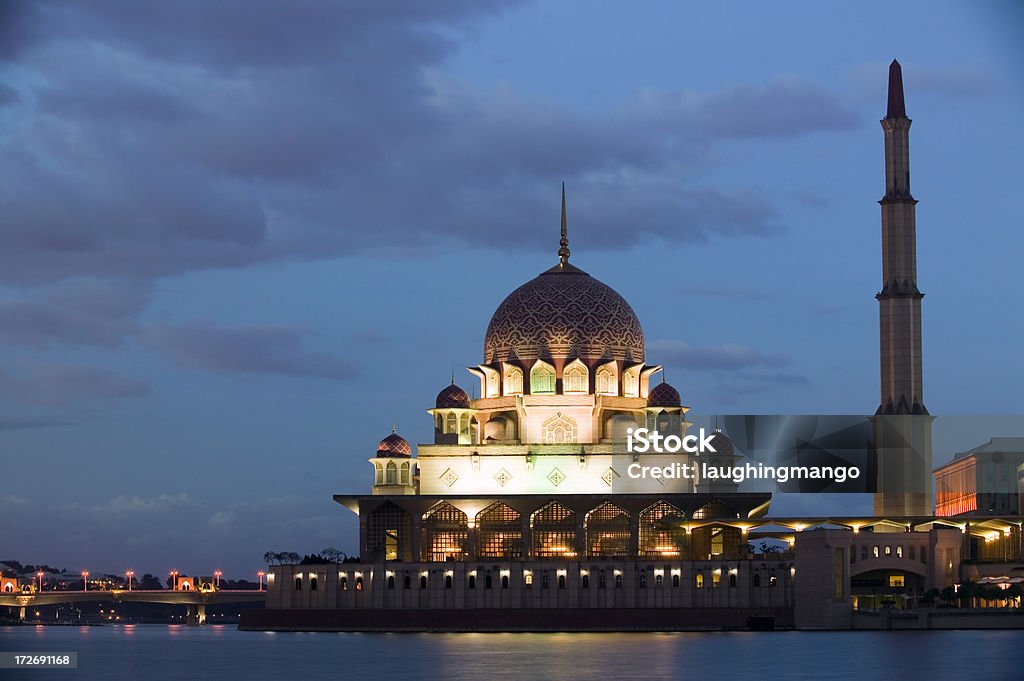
659 579
500 531
662 532
899 551
513 380
487 581
504 581
451 422
391 474
378 474
464 424
675 580
575 379
772 579
874 551
606 382
492 383
607 531
586 581
561 581
404 478
554 532
472 581
391 581
757 579
388 530
700 580
423 581
445 533
359 583
298 583
528 579
643 580
542 379
732 578
312 583
618 581
631 382
559 430
344 583
447 581
888 550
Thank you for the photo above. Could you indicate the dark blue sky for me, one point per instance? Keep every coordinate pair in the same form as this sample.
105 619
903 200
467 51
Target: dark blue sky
239 240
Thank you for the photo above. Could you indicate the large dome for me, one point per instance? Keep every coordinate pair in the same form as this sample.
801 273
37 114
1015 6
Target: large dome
564 312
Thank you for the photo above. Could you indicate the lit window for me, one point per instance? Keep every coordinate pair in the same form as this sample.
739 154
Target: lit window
606 384
888 550
699 579
896 581
874 551
513 380
528 578
899 551
575 379
542 379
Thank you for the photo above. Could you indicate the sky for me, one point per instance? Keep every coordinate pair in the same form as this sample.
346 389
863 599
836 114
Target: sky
240 240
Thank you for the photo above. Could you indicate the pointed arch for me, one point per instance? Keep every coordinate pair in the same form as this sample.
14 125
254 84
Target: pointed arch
553 527
559 429
404 474
513 383
607 531
500 530
575 378
607 380
631 381
662 533
445 533
391 474
542 378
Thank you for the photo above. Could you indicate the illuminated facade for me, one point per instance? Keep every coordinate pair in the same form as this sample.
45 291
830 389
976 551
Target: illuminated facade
981 481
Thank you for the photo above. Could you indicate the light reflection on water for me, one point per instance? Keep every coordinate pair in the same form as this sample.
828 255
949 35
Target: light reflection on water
159 652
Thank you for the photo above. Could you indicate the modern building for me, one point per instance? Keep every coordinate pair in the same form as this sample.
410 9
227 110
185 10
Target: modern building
981 481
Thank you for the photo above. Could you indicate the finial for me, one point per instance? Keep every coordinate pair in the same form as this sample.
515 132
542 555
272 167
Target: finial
662 376
896 106
563 251
453 375
394 428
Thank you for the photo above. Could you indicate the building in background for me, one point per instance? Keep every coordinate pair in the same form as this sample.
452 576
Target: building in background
981 481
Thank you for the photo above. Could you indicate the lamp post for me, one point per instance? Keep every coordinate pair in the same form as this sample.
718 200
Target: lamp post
216 578
174 580
129 574
260 575
40 576
85 580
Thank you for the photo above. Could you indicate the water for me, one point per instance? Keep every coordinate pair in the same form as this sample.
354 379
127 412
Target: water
159 652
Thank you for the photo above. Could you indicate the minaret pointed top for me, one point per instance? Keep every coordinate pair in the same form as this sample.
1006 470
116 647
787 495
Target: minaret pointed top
453 375
896 106
563 250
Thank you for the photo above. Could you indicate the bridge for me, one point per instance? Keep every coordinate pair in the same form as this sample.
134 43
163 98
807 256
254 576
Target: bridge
195 599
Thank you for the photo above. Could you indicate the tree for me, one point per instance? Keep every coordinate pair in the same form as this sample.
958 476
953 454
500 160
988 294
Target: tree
149 583
334 555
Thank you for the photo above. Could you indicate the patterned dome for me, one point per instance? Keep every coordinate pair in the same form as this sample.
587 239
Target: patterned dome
564 312
452 397
722 444
664 395
394 445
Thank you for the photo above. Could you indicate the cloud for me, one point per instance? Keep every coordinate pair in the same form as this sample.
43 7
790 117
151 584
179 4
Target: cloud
222 518
247 350
81 313
53 383
24 423
134 504
154 142
727 356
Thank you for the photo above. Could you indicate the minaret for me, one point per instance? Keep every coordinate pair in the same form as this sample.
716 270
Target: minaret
899 300
902 426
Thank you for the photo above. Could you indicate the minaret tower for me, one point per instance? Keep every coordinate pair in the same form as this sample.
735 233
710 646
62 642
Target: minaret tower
902 426
899 300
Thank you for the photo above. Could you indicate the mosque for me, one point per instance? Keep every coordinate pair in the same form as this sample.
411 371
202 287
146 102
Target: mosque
521 515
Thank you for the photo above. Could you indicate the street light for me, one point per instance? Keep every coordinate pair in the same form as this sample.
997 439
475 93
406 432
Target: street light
216 575
260 575
40 576
174 580
129 574
85 580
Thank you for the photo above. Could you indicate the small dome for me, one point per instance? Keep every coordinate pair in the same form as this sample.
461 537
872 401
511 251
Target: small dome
452 397
722 444
664 395
394 445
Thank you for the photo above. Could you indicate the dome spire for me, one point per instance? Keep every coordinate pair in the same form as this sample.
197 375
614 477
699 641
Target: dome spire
563 251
